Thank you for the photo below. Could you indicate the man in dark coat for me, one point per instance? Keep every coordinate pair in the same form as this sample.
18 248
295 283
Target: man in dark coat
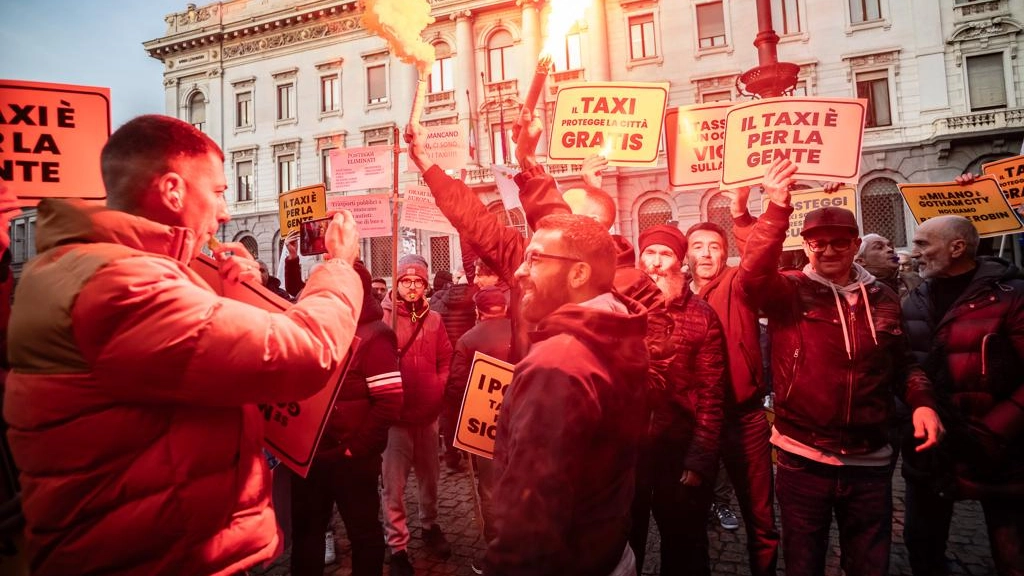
567 444
966 325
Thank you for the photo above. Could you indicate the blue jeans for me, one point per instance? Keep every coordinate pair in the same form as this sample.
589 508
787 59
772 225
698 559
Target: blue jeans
927 530
861 498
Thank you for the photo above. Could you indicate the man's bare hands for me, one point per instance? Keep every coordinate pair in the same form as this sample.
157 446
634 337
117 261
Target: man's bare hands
832 187
927 427
526 134
236 263
965 179
593 167
291 242
738 198
416 138
342 237
778 180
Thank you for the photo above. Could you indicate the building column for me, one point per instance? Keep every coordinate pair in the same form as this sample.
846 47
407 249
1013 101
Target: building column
529 53
466 80
598 69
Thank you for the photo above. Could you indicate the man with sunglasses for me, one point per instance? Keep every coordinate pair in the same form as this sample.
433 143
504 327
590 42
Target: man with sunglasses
838 356
424 354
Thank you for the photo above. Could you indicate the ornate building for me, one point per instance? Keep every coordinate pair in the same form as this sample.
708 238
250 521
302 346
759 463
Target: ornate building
278 83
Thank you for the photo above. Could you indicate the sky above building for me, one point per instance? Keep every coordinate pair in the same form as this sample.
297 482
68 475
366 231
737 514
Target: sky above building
91 43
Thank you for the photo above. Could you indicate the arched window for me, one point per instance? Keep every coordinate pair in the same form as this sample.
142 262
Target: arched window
718 213
514 217
652 212
250 244
500 64
441 79
881 210
197 110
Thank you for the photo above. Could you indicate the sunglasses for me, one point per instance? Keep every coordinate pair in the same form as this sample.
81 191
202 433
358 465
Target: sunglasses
838 244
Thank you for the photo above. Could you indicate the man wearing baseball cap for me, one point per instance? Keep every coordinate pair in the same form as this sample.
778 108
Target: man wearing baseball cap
838 356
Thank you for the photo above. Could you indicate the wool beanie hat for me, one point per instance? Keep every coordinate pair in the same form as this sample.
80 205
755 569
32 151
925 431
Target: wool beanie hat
666 235
412 265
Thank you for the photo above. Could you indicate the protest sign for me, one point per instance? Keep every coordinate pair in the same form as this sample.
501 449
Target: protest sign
51 136
622 121
421 212
447 146
478 420
695 144
301 204
981 202
804 201
822 136
504 181
370 211
361 168
291 430
1009 173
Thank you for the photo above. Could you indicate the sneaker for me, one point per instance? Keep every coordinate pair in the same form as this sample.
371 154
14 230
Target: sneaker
477 564
725 516
436 543
329 555
400 565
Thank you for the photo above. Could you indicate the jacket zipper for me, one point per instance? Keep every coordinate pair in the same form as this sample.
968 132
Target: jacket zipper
796 368
849 373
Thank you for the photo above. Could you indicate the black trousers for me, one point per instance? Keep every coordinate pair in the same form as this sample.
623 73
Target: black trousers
351 483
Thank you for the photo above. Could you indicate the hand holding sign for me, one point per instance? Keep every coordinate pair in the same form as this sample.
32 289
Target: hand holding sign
779 180
738 198
592 168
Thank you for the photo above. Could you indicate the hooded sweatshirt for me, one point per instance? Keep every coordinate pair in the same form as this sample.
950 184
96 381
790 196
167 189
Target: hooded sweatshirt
425 360
133 391
566 450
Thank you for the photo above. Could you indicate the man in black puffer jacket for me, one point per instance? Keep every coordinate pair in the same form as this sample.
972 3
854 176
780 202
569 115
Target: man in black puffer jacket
348 459
966 325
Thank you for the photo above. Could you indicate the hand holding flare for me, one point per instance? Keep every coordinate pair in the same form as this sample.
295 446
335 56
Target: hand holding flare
401 23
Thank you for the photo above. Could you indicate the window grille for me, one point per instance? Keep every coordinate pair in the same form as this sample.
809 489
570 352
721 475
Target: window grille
380 257
652 212
881 211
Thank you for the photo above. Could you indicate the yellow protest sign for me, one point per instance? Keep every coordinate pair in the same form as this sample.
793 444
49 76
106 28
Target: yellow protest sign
51 136
1009 172
291 430
695 143
478 420
622 121
822 136
981 202
300 205
804 201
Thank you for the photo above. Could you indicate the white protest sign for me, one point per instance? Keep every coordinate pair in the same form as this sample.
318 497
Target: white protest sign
822 136
504 181
622 121
421 212
370 211
695 144
447 146
360 168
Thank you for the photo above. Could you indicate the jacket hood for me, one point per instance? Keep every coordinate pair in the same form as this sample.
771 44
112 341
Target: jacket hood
372 310
990 267
75 222
615 336
625 255
852 292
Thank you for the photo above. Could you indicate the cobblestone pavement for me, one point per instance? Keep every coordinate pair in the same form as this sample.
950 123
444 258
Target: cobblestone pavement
968 551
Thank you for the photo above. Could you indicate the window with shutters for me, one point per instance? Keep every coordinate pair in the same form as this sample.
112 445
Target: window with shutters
874 86
377 84
711 25
243 181
986 83
286 101
881 210
786 17
330 93
285 173
500 62
441 73
197 111
570 56
642 38
865 11
652 212
243 109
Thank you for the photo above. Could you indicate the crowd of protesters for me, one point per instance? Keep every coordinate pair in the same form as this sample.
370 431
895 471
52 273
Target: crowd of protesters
130 402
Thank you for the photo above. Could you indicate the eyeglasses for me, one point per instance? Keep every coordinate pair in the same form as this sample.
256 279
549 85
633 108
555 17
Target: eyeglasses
412 283
838 244
531 258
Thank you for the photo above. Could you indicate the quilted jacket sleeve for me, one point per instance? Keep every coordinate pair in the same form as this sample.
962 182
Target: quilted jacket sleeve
150 333
759 279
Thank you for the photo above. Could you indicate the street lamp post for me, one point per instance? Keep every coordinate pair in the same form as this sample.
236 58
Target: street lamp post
770 77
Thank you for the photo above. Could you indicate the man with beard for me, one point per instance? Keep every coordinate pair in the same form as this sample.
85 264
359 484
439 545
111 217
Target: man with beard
966 326
425 354
681 453
745 449
567 445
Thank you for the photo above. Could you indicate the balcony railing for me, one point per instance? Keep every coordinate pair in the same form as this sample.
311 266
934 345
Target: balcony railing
503 87
438 101
981 121
485 176
562 77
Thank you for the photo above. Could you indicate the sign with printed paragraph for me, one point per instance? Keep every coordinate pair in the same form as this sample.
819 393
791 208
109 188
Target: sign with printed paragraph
695 143
421 212
1009 172
370 211
360 168
291 430
982 203
621 121
804 201
51 136
478 420
301 204
822 136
